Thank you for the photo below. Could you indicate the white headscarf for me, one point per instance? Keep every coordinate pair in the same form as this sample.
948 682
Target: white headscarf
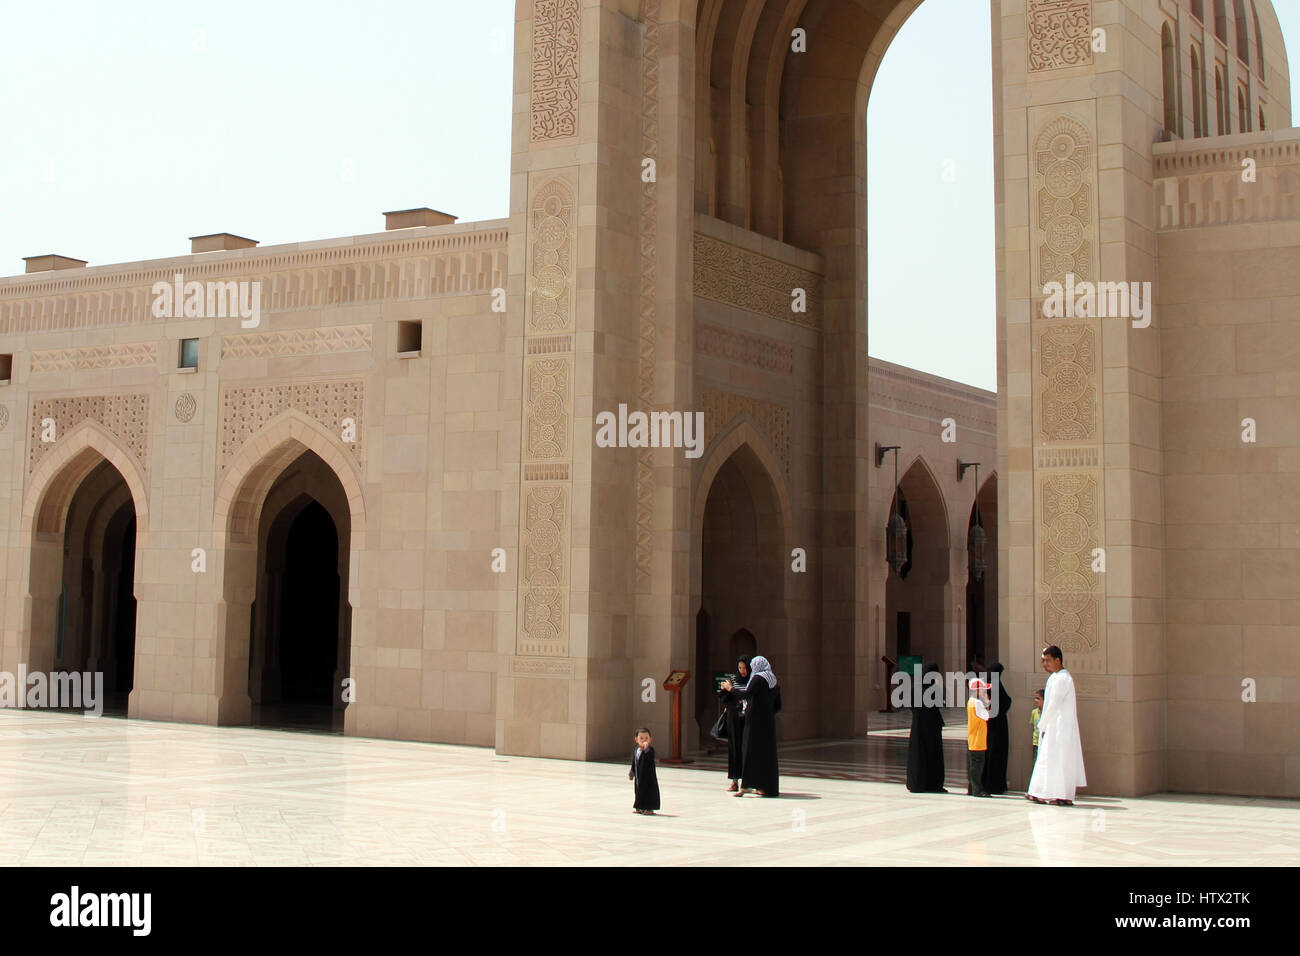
761 668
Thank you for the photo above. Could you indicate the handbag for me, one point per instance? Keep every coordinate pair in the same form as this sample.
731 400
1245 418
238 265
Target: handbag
719 729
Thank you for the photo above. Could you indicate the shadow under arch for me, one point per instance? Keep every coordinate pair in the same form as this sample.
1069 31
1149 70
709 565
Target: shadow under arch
741 524
88 465
272 474
917 608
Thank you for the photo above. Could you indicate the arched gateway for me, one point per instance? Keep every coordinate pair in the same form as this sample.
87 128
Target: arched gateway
686 256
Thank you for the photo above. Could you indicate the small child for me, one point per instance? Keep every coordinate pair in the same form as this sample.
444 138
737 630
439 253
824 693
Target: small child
977 736
643 773
1033 719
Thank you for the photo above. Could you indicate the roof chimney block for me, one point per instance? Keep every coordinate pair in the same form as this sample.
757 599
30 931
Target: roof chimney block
51 262
424 216
220 242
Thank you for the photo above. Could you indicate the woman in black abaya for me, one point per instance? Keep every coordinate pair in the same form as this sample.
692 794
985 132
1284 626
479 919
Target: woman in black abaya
925 745
735 726
758 752
995 765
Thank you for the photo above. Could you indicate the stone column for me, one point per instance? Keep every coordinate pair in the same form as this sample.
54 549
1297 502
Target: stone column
1078 394
576 197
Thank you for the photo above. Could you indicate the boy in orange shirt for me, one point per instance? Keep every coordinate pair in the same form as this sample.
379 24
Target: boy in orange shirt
977 736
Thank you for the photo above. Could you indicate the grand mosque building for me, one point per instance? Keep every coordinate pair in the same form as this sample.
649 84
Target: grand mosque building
372 490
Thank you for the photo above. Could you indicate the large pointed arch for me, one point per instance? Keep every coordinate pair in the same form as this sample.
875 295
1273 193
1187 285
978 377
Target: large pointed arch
237 511
85 452
61 470
262 459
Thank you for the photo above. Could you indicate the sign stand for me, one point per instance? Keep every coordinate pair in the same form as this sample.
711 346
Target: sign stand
674 684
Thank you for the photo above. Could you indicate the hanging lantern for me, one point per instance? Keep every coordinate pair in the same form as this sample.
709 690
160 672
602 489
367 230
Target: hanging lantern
896 528
975 544
896 540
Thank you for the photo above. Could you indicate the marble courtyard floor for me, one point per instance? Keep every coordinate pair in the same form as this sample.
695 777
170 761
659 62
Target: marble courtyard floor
85 792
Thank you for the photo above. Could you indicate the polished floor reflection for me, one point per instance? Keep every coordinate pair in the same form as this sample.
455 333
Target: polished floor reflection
78 791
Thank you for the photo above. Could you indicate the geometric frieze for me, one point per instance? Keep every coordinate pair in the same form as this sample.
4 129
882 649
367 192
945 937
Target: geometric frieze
1067 367
324 341
246 409
744 347
756 283
1059 34
555 69
772 419
127 355
125 416
543 583
1072 593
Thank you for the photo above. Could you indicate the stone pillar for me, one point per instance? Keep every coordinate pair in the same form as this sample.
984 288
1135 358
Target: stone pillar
576 188
1079 395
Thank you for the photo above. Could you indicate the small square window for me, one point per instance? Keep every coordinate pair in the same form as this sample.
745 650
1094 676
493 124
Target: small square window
408 337
189 353
6 369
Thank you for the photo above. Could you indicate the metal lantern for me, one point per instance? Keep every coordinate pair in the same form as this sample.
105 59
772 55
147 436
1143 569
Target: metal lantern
896 540
896 527
976 539
975 544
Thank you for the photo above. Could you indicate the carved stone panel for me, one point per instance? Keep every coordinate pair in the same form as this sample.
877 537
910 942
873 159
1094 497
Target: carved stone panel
1064 197
551 221
245 410
125 416
125 355
544 630
1059 34
756 350
756 283
772 419
339 338
1072 595
548 410
556 25
1068 363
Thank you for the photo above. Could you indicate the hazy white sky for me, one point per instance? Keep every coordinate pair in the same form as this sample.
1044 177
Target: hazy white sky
129 126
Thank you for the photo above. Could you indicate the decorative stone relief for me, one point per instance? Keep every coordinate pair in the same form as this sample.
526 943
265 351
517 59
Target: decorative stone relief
542 667
1067 366
185 407
4 417
773 420
125 416
342 338
548 409
246 410
742 347
756 283
1072 595
1059 34
648 328
544 584
1064 223
1058 457
550 255
555 69
395 268
127 355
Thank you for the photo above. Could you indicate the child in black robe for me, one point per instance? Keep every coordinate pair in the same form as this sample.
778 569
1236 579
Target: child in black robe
643 773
